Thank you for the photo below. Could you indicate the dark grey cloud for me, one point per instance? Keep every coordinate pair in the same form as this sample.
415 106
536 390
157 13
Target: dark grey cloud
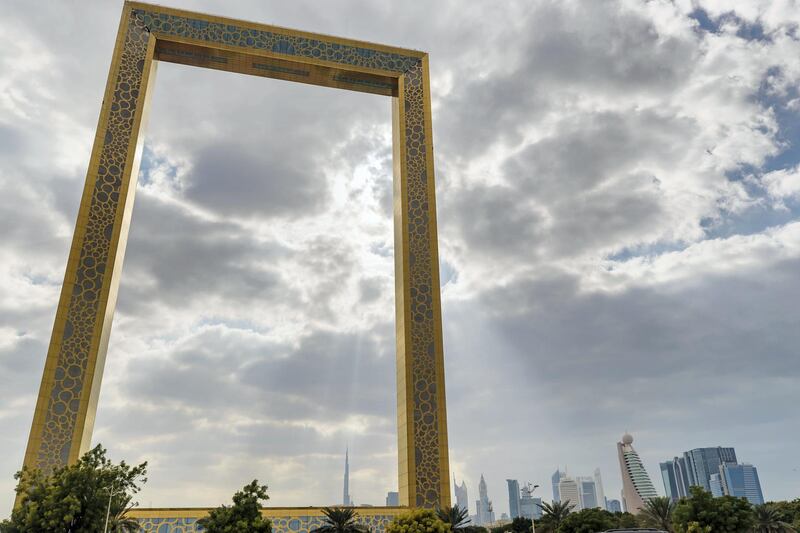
185 259
230 179
560 55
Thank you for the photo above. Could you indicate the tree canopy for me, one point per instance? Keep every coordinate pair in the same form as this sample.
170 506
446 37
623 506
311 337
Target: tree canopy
340 520
244 516
457 519
725 514
657 513
75 498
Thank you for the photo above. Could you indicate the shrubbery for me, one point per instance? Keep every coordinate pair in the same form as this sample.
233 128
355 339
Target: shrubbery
417 521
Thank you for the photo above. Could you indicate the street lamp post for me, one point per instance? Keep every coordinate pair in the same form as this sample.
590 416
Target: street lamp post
108 510
530 491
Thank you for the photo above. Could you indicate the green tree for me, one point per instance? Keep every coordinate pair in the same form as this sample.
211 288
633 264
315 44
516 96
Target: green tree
76 498
340 520
657 513
417 521
695 527
587 521
457 519
244 516
768 520
521 524
626 519
723 515
555 512
788 512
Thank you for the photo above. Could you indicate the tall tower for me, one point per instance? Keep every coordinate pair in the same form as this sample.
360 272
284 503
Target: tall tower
555 479
462 498
703 462
513 499
569 492
484 504
636 485
346 500
598 485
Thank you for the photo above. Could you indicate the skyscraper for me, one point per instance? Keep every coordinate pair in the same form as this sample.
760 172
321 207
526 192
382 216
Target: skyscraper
670 479
588 492
569 491
677 476
462 498
702 462
346 500
554 479
601 494
636 484
485 511
613 506
392 499
741 481
530 507
513 498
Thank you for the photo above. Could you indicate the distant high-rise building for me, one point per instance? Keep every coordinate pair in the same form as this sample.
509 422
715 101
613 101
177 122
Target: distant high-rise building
346 500
601 494
636 484
684 476
670 480
392 499
702 462
741 481
677 476
715 485
569 491
485 514
588 492
613 506
513 498
555 479
537 508
530 507
462 498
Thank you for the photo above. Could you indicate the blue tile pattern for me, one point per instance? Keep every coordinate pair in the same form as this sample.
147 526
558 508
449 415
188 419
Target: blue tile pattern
285 44
281 524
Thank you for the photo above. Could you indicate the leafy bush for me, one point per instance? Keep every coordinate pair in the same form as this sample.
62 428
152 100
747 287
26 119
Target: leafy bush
244 516
417 521
76 497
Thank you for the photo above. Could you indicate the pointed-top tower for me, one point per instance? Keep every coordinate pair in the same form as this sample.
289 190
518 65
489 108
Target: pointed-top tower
462 499
346 500
484 504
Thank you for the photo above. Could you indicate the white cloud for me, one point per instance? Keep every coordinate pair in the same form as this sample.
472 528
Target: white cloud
783 183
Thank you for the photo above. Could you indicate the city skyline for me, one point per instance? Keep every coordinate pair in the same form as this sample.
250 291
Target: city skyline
589 491
619 224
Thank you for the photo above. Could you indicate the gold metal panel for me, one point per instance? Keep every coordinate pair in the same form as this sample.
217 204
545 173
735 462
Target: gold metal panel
284 519
65 410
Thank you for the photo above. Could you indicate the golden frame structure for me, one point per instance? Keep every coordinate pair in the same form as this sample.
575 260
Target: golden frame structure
65 410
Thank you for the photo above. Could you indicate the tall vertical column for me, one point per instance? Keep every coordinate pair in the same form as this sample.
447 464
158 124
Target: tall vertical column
65 409
422 419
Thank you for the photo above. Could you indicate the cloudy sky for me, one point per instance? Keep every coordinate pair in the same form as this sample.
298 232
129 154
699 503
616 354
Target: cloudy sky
619 214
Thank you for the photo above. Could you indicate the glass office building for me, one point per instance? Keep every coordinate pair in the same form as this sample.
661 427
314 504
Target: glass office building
742 481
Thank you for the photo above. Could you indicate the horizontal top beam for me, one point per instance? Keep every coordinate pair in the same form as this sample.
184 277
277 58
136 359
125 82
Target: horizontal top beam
154 8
